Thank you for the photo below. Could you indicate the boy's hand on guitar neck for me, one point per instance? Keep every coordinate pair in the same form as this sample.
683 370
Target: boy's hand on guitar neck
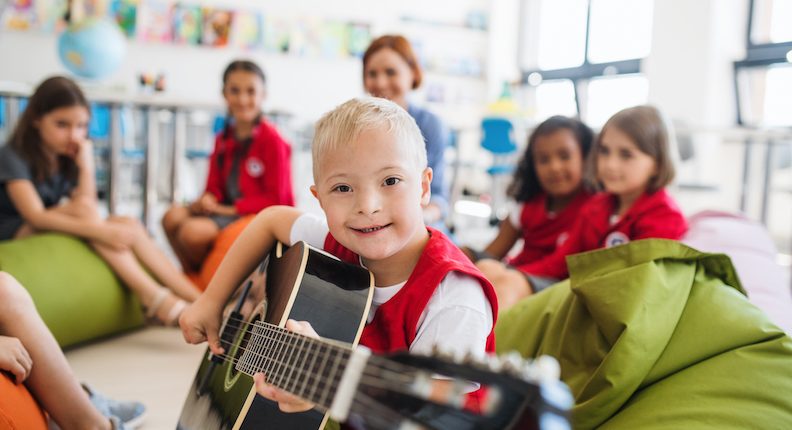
200 322
286 402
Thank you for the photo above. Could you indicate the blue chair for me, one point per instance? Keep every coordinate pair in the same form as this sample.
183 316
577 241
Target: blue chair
99 127
497 137
2 112
219 124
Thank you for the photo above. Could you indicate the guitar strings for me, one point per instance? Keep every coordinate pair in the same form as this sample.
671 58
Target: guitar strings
343 348
372 376
384 367
367 379
397 370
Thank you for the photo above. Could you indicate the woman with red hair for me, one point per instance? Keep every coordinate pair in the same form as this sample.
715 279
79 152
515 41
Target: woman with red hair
391 71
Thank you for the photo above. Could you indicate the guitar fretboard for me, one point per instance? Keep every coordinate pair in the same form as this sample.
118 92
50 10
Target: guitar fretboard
307 367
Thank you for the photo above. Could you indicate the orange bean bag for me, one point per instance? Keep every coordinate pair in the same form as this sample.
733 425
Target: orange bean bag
18 408
221 246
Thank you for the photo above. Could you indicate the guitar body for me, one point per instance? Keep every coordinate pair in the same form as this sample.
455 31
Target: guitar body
299 283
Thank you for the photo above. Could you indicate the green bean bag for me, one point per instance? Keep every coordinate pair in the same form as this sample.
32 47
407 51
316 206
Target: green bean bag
657 335
75 291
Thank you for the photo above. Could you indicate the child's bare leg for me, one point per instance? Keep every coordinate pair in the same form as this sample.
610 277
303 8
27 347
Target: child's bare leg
513 287
510 285
152 257
51 380
197 235
129 270
171 223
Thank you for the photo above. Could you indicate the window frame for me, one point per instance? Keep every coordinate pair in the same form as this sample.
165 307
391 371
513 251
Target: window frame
580 75
757 56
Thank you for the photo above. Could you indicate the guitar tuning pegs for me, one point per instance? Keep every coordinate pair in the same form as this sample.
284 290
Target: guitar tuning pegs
544 368
443 353
512 361
493 363
469 358
549 368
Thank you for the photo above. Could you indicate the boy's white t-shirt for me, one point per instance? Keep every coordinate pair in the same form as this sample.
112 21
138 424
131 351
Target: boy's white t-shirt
457 318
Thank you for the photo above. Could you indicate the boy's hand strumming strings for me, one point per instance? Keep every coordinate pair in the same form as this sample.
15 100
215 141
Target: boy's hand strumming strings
200 322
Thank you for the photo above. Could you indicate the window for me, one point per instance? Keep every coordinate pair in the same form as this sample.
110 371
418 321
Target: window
770 21
555 98
593 46
610 94
778 101
620 30
562 34
764 77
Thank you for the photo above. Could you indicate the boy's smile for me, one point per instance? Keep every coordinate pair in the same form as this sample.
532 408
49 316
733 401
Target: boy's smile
372 229
372 192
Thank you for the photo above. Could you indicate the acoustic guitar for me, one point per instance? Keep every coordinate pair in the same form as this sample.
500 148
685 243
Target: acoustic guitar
346 382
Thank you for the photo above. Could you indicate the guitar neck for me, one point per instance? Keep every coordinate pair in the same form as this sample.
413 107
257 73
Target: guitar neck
310 368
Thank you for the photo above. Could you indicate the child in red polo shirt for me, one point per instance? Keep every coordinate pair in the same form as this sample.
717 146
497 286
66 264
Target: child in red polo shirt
631 162
372 182
548 191
249 170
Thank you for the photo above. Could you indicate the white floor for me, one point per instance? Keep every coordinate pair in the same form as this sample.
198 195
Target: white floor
153 365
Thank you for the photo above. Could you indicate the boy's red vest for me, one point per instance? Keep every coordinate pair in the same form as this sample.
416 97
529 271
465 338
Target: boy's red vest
395 322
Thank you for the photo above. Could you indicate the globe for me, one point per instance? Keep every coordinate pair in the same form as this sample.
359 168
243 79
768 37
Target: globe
92 48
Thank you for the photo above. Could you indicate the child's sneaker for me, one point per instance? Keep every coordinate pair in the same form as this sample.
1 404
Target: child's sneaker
129 414
117 424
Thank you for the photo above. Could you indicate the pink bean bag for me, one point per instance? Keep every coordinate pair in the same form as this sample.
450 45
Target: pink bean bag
753 254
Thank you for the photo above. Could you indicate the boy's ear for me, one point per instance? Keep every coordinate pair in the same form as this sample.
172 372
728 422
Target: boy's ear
315 193
426 186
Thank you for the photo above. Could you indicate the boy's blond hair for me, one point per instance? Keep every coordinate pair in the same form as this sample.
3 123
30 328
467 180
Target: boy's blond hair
341 127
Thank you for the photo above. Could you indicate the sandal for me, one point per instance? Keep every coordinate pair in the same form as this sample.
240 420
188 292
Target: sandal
172 319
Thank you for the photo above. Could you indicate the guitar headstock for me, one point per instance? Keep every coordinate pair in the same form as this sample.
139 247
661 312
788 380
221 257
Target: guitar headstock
431 392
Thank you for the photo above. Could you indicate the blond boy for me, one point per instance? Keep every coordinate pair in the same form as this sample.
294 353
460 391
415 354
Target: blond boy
371 180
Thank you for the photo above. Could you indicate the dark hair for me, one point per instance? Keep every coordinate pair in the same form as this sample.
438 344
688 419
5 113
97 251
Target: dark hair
525 184
402 47
52 94
644 125
245 66
237 66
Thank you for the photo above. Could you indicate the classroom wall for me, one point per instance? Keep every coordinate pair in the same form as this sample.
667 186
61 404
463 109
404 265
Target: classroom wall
305 87
693 84
694 44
